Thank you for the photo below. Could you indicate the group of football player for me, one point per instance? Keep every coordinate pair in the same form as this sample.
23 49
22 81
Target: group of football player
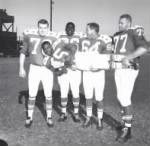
56 53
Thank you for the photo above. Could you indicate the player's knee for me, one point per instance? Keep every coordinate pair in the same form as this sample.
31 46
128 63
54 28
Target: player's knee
32 94
49 98
88 97
98 99
64 94
48 95
125 103
75 94
32 98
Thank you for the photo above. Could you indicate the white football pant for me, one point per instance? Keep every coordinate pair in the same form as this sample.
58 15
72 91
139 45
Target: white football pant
94 81
125 79
39 74
71 79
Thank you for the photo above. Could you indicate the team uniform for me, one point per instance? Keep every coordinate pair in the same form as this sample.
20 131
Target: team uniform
66 47
126 42
37 71
95 81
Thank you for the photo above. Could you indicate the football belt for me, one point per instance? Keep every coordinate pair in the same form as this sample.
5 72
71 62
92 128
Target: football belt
87 61
92 61
116 63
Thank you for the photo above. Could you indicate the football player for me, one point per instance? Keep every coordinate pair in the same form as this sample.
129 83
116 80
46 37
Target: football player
130 42
94 79
64 52
33 43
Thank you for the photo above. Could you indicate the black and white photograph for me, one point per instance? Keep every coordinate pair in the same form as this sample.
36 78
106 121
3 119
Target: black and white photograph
74 73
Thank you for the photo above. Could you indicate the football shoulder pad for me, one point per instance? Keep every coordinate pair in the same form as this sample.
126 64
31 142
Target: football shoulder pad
138 30
53 34
105 38
80 34
137 27
30 32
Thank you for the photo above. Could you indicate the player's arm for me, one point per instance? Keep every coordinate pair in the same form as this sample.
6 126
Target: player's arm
77 57
57 57
22 57
141 47
139 52
22 72
107 43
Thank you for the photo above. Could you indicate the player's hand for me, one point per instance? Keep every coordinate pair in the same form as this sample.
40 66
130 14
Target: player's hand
126 62
60 71
22 73
93 69
56 64
74 67
45 60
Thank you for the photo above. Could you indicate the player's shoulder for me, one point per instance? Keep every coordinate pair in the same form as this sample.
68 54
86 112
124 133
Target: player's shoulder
137 27
79 34
28 32
84 37
136 30
117 33
60 37
61 33
52 33
76 34
105 38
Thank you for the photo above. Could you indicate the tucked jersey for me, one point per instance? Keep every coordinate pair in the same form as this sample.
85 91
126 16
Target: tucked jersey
102 44
66 46
128 41
32 45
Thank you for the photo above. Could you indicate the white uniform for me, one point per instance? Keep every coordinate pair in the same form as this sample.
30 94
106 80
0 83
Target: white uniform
127 42
95 81
72 78
68 46
37 71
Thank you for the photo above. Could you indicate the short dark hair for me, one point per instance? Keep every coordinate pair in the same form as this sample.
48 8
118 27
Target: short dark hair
94 26
126 16
45 43
43 21
70 23
3 143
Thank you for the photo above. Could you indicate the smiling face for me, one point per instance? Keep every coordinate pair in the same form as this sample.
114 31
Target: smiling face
43 29
70 29
47 48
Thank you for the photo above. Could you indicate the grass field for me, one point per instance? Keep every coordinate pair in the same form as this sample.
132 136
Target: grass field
13 95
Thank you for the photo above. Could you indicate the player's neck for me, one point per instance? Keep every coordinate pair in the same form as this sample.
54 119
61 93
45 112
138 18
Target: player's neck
94 36
70 35
124 30
42 36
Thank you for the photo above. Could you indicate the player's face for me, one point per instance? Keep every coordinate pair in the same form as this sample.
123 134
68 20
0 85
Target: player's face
124 24
43 29
48 49
90 32
70 30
